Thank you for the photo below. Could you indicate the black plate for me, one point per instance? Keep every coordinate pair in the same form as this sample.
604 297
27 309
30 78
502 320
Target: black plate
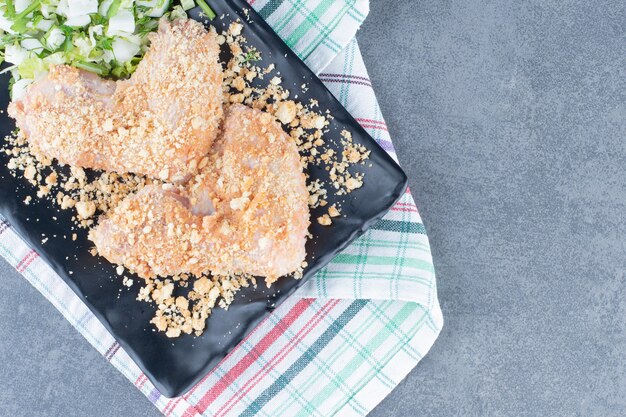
175 365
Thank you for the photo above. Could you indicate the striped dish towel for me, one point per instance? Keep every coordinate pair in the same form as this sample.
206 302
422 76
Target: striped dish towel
352 332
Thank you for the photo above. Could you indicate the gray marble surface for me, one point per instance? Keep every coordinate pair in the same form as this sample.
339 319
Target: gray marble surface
510 119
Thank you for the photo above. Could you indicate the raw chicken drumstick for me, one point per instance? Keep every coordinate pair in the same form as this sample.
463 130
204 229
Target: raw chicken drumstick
161 122
245 212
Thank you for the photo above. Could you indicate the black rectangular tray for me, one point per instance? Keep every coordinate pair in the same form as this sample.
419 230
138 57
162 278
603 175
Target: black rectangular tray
175 365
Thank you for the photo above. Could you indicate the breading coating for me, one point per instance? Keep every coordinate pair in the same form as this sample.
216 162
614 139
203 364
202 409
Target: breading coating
245 212
161 122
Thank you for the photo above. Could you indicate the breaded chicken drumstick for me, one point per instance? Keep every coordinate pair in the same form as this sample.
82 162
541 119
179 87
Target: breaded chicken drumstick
245 212
161 122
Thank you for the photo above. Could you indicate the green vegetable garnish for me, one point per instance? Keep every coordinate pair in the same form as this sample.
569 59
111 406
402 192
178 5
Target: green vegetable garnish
251 55
10 9
67 30
21 20
210 14
106 37
113 8
105 44
187 4
146 24
9 40
91 67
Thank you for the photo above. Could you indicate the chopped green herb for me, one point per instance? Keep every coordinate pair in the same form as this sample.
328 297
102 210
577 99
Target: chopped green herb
67 30
97 19
251 55
146 25
10 39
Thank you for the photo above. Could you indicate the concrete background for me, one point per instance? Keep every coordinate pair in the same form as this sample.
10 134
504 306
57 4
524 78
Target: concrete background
510 119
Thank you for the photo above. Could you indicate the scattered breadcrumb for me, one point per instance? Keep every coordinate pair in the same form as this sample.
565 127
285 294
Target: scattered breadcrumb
333 211
305 125
179 314
324 220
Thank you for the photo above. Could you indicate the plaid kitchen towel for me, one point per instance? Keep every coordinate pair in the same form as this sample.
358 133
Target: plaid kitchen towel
353 331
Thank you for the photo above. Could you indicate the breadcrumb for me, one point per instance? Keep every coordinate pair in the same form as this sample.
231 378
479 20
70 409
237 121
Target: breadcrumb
324 220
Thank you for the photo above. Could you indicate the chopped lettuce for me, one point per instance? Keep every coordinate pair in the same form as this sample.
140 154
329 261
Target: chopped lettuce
123 23
107 37
154 8
187 4
54 38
